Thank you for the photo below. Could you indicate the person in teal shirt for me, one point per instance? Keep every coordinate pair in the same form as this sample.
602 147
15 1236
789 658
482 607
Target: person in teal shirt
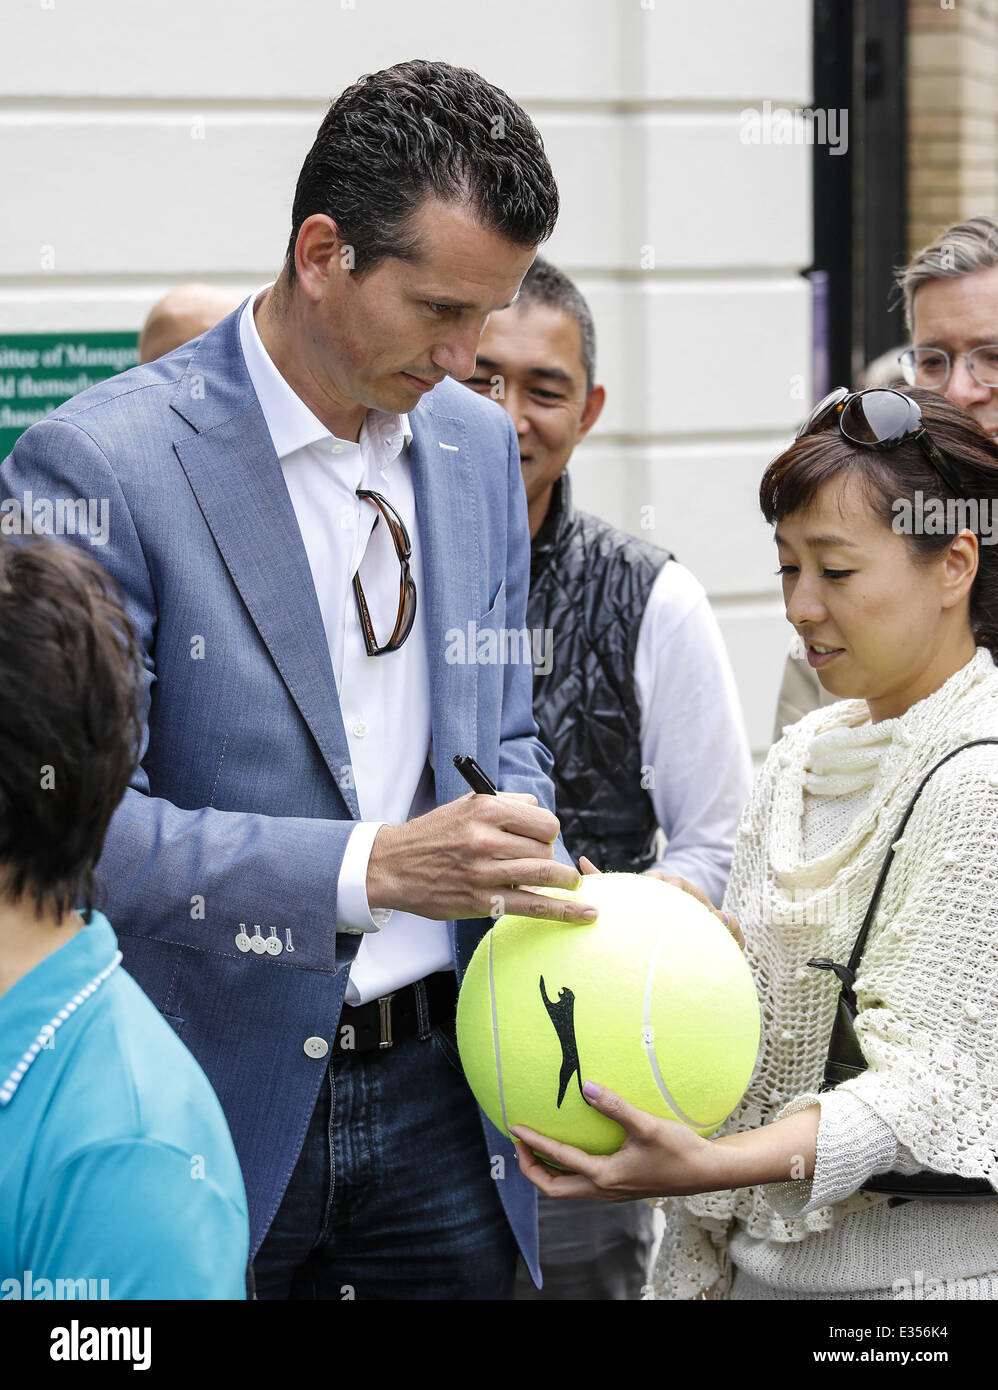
118 1176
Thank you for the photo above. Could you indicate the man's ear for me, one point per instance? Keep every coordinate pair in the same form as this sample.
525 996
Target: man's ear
591 411
319 252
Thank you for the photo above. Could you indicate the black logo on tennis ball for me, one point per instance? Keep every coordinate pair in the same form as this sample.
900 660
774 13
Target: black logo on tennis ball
562 1014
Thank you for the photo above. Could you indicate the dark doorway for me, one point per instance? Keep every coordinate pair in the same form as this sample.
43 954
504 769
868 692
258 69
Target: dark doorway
860 197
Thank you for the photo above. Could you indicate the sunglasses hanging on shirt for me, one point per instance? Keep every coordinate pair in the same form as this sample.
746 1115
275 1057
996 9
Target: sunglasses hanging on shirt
407 585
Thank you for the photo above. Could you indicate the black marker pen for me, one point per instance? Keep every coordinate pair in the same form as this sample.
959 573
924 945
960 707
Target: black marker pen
474 776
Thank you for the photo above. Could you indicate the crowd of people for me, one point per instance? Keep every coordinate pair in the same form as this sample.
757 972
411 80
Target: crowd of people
241 877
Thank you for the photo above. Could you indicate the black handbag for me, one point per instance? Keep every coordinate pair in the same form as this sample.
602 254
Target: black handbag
845 1056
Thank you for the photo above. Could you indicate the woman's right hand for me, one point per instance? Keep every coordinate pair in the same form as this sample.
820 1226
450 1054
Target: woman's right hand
728 918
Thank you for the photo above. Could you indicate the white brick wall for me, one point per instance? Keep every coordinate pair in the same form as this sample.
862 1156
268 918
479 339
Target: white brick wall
150 143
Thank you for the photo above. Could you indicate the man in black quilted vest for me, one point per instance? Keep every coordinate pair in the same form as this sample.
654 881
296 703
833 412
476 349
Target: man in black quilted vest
633 694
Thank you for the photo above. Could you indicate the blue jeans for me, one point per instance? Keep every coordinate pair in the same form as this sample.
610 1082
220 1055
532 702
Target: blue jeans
392 1196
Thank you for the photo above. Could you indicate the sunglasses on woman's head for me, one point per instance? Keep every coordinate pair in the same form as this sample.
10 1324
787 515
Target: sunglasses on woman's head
879 418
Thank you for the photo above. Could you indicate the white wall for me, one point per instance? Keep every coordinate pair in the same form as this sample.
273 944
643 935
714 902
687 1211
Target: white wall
145 144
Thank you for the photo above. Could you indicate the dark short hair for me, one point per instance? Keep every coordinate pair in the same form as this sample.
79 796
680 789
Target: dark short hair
545 284
70 726
792 481
423 129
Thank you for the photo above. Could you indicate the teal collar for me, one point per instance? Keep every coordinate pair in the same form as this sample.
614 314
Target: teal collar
36 1007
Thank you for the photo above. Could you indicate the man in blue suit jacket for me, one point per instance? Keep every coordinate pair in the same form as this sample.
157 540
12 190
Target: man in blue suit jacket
417 213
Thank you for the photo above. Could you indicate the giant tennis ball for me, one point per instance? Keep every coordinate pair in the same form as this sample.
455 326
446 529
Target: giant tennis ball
654 1000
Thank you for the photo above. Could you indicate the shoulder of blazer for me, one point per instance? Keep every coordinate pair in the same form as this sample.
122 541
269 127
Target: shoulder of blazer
204 382
451 398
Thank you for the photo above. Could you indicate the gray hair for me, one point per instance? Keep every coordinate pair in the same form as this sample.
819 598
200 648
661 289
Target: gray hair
960 250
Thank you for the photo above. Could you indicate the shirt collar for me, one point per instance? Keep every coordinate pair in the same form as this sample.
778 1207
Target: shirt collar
559 518
33 1009
291 424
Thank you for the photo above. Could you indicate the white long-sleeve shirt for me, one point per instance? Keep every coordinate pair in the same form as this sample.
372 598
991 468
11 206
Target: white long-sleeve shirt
693 739
384 700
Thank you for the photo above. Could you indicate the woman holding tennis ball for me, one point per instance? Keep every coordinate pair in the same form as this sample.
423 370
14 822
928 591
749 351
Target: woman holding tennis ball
883 509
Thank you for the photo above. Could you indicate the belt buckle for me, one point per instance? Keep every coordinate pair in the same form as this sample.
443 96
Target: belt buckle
385 1016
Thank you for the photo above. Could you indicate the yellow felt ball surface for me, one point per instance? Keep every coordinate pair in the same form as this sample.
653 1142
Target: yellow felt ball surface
654 1000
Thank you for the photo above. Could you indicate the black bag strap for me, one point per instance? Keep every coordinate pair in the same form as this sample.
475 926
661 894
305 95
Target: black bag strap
847 973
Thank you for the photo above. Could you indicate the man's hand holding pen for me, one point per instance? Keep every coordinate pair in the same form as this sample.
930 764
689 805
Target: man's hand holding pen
470 858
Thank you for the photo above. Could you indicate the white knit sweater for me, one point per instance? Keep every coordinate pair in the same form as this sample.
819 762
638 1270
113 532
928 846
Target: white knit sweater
811 844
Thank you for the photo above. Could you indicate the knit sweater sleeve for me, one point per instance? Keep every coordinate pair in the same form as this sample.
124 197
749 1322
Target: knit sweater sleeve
927 991
853 1144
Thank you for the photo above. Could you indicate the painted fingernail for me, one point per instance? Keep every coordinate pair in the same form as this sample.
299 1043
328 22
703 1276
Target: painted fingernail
591 1091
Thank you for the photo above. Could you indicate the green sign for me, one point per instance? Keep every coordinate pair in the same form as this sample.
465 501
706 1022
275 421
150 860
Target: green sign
38 371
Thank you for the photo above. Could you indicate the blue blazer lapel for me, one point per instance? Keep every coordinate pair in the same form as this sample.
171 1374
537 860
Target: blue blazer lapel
444 485
236 476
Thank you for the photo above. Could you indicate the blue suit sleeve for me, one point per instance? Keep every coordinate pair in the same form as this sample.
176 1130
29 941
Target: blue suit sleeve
134 1212
157 855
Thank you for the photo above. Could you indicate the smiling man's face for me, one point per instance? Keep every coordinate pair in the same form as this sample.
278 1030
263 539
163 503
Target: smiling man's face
958 314
530 360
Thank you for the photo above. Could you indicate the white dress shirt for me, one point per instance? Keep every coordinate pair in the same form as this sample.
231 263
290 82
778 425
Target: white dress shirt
694 746
384 700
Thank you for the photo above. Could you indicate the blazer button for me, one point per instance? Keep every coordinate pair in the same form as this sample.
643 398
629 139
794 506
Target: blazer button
316 1047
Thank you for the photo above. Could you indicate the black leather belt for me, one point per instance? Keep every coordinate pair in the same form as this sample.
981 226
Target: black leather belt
408 1013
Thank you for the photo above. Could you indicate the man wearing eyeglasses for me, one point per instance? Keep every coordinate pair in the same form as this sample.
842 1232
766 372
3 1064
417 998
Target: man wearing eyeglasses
951 310
950 291
303 511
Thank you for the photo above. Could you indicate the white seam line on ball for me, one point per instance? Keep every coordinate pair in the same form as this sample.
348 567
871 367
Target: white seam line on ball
648 1042
495 1034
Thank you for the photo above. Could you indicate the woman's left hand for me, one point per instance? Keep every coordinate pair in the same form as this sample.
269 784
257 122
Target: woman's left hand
659 1158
